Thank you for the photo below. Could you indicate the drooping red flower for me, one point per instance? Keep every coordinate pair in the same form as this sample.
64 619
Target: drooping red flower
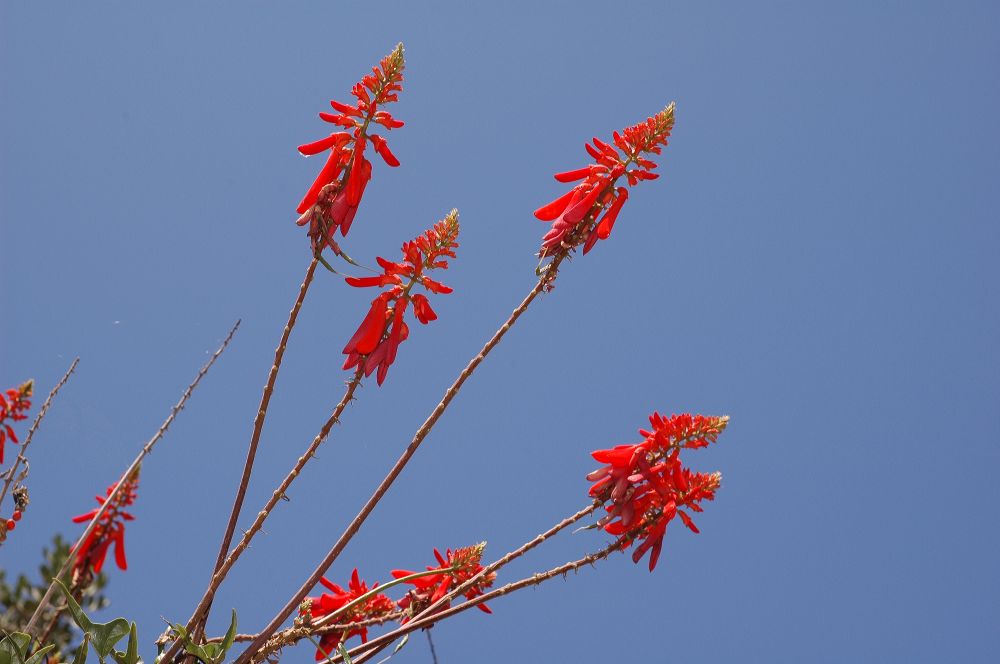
644 486
375 606
13 407
335 194
576 215
378 337
110 530
456 568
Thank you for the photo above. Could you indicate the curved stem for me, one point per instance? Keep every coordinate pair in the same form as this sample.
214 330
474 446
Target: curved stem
544 283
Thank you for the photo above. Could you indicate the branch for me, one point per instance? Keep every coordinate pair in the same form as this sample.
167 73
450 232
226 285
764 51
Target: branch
21 456
146 449
544 283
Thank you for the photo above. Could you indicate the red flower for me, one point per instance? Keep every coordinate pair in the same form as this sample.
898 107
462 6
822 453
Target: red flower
12 408
110 529
645 486
574 215
378 337
456 567
333 199
327 603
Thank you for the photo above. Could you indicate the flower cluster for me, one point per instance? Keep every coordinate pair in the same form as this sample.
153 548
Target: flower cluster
110 529
456 567
377 339
574 214
644 486
375 606
333 199
12 409
354 609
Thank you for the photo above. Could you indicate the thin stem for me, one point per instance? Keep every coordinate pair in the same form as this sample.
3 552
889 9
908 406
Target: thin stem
110 500
258 426
279 493
430 642
516 553
377 644
544 282
21 456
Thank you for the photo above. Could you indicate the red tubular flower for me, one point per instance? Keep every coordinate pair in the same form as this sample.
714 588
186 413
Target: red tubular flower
456 568
574 214
377 339
334 196
12 409
375 606
110 529
644 486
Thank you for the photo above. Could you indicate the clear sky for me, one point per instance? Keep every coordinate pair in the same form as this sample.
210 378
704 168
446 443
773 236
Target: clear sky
817 261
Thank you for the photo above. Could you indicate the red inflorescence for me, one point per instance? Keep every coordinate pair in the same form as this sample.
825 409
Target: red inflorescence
574 215
644 486
377 339
13 406
333 199
456 568
110 529
375 606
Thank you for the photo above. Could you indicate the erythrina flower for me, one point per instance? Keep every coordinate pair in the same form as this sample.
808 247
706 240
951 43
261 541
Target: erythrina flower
12 409
378 337
644 486
375 606
576 215
333 199
110 529
456 568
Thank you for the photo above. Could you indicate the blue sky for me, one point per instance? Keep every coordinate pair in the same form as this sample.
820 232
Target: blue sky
817 261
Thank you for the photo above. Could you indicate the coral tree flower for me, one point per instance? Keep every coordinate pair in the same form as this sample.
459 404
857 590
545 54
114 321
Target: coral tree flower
375 606
335 194
377 339
644 486
576 215
110 529
456 568
13 406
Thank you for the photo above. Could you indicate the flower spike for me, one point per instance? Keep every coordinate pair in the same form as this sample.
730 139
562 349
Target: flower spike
574 215
378 337
12 408
334 196
109 530
644 486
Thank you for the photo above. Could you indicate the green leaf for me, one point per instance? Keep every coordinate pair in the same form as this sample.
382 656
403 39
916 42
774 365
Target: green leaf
227 642
131 654
37 657
81 654
21 641
399 646
103 635
10 651
343 653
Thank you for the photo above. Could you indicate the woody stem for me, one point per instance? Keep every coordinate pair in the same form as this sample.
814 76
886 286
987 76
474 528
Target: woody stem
258 426
21 456
544 282
201 610
129 472
372 647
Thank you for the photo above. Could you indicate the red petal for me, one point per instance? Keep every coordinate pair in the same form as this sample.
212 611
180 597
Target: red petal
327 175
552 211
573 176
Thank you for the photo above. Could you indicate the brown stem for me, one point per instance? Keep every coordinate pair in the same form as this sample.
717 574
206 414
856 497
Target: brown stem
279 493
544 283
497 564
146 449
258 426
21 458
377 644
